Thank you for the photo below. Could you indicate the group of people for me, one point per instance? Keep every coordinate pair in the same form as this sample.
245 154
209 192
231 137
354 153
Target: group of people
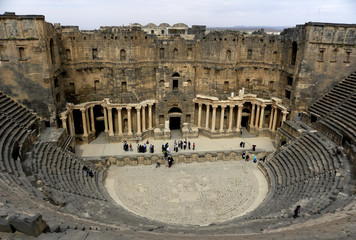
246 156
143 148
182 145
127 146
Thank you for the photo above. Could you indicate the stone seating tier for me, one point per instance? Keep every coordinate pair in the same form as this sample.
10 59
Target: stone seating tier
330 101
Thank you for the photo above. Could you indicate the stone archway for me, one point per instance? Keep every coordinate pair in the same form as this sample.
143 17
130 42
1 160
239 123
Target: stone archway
175 114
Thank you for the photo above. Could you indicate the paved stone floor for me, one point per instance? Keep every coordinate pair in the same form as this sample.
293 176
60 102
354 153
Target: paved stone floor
192 193
101 148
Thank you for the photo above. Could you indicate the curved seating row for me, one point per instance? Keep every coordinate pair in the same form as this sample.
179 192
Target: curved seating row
305 172
58 169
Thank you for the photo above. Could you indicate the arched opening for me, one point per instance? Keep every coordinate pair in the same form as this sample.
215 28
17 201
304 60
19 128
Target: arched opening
228 55
68 55
175 81
51 48
294 53
96 86
175 53
122 55
175 110
274 57
174 118
161 83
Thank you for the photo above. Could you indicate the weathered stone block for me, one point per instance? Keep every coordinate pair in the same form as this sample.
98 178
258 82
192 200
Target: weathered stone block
27 224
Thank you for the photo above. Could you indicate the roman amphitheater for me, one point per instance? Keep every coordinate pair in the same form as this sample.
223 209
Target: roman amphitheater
70 98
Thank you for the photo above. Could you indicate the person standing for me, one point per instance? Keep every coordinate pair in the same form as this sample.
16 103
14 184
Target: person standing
193 146
189 145
296 212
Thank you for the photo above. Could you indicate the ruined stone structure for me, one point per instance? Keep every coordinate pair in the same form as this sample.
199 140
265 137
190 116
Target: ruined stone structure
298 87
185 74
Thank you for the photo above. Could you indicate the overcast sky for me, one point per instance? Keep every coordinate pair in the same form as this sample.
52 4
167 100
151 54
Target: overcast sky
91 14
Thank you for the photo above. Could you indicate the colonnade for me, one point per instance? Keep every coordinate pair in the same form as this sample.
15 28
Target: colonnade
140 118
88 118
211 126
257 116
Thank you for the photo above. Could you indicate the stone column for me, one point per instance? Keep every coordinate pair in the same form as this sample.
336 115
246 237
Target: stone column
230 118
111 127
150 116
274 119
105 119
213 119
284 116
199 115
85 132
143 118
87 119
262 117
257 115
271 118
252 120
71 124
239 117
207 116
119 119
64 122
129 121
222 118
138 110
92 119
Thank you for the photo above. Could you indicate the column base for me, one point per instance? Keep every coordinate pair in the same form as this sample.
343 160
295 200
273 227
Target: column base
130 133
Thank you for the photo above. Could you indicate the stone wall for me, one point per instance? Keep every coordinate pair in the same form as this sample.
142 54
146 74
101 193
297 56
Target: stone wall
64 64
29 63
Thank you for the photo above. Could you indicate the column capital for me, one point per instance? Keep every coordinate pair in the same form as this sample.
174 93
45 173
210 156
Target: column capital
200 104
214 106
63 117
137 107
109 107
240 105
223 106
82 109
118 108
285 112
128 108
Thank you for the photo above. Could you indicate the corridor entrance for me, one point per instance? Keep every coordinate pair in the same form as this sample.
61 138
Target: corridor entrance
174 123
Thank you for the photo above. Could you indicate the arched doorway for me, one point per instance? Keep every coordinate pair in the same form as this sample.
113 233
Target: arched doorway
174 118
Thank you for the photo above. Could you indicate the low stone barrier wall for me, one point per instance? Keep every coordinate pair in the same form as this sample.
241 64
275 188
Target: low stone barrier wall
181 158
